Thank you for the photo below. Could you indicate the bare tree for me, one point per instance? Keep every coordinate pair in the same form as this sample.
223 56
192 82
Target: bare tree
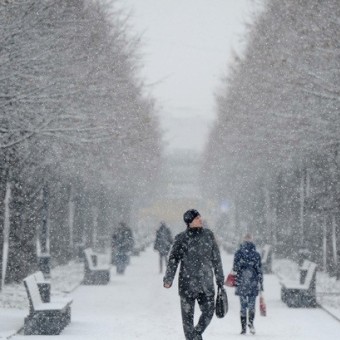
277 113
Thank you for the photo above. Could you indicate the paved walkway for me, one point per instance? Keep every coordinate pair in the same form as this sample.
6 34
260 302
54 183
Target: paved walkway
136 306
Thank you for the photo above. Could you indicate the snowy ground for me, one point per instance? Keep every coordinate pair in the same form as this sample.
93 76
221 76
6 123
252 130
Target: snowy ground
136 306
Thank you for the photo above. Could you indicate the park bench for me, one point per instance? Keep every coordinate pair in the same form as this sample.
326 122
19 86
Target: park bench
45 318
301 293
267 259
95 273
44 286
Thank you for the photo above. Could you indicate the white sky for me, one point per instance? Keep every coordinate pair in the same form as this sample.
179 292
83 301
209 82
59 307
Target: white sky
186 48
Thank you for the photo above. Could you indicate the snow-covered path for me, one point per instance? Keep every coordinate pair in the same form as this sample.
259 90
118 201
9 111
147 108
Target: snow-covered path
136 306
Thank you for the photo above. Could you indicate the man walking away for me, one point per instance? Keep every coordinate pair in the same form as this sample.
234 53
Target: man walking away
197 252
163 244
123 244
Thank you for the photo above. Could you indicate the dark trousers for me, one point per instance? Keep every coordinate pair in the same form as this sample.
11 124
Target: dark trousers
122 260
207 307
247 302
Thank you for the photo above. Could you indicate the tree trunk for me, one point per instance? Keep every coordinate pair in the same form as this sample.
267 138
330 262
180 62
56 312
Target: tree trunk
324 244
71 209
334 247
4 249
302 208
22 258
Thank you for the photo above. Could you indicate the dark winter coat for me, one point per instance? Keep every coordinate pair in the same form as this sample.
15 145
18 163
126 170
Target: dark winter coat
197 251
122 240
163 240
247 265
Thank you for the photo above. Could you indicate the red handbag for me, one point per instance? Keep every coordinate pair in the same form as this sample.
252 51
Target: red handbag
230 280
263 307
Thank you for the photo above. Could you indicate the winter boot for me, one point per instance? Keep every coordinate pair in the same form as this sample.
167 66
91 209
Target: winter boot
251 322
244 324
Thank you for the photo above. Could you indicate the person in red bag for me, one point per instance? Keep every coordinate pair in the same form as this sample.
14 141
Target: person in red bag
249 281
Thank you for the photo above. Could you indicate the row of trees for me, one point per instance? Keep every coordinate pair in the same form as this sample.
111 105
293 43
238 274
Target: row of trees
79 139
274 150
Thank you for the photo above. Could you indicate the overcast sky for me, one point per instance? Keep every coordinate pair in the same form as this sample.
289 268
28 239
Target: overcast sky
187 46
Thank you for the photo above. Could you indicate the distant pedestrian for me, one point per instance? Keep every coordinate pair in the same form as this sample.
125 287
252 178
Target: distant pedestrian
198 254
163 244
122 245
249 281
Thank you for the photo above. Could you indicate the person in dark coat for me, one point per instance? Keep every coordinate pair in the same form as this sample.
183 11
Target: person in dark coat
196 250
122 245
249 281
163 244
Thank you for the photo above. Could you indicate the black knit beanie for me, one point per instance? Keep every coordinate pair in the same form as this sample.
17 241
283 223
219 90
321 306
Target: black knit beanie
190 215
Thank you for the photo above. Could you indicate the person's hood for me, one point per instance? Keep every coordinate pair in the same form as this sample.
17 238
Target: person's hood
247 247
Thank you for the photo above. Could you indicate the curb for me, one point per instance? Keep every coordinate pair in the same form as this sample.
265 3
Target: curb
71 290
20 330
328 312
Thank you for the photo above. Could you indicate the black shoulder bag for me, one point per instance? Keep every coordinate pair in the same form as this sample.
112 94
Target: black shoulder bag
221 307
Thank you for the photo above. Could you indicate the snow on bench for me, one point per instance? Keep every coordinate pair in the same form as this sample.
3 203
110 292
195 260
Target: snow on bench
43 285
95 274
45 318
303 292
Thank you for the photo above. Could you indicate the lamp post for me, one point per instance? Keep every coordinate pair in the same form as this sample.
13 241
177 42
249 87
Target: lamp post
44 242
